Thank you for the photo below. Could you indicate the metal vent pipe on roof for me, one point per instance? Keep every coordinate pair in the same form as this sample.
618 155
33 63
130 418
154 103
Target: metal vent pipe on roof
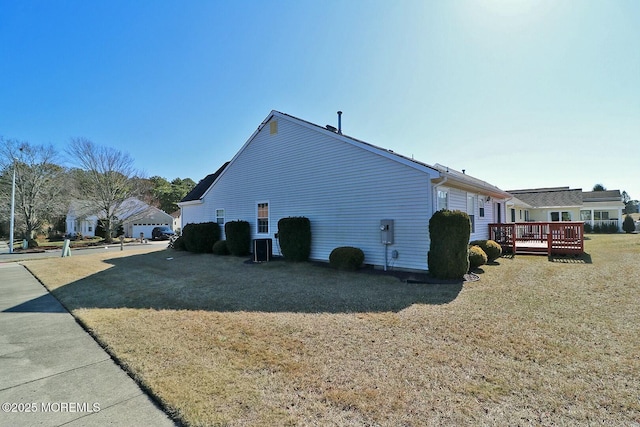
339 121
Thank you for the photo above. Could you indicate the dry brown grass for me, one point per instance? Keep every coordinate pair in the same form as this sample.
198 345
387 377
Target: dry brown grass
220 342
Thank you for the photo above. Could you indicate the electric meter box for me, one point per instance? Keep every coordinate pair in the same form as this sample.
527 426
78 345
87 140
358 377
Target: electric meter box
386 231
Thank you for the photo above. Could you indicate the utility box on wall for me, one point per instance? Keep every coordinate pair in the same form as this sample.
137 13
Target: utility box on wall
386 231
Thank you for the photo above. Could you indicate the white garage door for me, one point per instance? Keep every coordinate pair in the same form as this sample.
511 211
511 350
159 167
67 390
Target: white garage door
146 229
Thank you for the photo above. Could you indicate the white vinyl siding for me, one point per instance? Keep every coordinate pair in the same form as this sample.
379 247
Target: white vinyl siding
462 201
343 189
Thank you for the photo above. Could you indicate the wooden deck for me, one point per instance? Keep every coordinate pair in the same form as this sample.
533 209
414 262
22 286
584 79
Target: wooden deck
550 238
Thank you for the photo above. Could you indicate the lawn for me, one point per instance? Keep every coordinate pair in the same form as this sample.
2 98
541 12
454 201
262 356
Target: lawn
222 342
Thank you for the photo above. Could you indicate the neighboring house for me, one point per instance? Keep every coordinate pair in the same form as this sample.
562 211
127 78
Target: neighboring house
346 187
177 221
565 204
136 216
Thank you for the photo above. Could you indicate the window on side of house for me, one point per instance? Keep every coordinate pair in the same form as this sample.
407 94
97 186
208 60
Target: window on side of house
585 215
263 218
566 216
220 216
555 216
471 211
443 200
600 215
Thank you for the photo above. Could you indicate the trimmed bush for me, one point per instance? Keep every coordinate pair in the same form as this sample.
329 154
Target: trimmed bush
220 248
199 238
448 256
628 225
346 258
179 245
492 249
294 234
588 228
238 234
477 257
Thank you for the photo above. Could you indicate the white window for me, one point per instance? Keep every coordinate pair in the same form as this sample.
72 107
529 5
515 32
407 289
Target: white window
566 216
601 215
585 215
220 216
263 218
443 200
471 211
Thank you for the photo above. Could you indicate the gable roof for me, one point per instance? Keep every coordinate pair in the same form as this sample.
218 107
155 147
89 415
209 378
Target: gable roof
198 191
602 196
131 208
550 197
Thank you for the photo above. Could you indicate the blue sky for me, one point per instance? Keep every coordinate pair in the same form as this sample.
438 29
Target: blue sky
519 93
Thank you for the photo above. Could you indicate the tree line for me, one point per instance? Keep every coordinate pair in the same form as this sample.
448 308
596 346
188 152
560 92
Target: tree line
100 178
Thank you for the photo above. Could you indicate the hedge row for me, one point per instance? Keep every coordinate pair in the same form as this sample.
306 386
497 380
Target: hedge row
199 238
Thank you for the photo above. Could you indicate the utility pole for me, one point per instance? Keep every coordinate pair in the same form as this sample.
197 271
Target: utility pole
13 207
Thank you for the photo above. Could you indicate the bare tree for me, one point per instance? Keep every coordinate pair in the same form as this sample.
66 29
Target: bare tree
106 180
40 184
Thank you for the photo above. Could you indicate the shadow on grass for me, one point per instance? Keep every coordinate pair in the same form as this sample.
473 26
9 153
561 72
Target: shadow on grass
183 281
585 258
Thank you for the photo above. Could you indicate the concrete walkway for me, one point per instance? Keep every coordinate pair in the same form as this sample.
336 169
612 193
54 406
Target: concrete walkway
52 372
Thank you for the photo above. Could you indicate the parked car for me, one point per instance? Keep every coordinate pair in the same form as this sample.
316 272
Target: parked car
161 233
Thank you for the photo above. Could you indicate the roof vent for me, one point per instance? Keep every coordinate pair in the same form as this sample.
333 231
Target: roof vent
331 128
340 122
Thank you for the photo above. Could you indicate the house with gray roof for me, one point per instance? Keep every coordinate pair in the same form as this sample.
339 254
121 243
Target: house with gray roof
347 188
566 204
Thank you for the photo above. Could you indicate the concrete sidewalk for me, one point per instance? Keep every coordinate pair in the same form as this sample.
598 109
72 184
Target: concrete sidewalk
52 372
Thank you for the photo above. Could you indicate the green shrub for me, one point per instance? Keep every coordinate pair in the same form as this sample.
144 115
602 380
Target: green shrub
477 257
294 234
628 225
179 245
200 237
588 228
448 256
238 234
492 249
32 243
220 248
346 258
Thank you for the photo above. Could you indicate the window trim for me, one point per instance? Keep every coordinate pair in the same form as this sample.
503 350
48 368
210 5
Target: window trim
218 217
258 217
445 198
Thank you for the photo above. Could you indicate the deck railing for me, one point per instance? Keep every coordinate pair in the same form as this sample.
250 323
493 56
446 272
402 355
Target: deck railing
553 238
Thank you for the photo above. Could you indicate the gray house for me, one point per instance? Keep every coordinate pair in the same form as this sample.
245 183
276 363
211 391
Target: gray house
346 187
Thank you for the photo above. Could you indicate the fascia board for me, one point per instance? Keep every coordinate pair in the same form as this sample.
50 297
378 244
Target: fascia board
190 202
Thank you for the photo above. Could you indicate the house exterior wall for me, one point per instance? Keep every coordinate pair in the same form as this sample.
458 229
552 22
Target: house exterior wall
544 214
196 213
343 189
612 209
459 200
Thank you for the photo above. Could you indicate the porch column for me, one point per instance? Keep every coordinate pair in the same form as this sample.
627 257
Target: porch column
619 219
